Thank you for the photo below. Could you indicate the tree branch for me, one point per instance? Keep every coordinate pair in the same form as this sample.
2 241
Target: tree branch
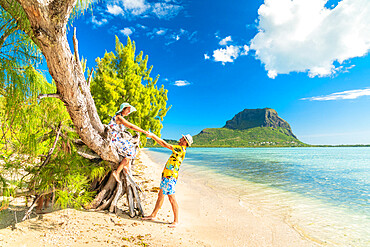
6 35
27 215
51 149
6 24
15 9
75 47
61 10
45 21
51 95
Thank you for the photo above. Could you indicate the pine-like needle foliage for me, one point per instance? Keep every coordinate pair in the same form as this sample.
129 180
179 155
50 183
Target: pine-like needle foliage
123 77
28 130
28 127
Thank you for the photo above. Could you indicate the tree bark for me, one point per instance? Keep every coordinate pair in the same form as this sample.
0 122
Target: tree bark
45 21
48 21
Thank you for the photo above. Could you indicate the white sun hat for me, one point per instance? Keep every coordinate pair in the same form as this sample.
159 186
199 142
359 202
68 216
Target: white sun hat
188 139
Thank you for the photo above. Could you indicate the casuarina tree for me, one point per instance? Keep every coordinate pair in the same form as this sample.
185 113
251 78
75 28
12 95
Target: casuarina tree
45 23
120 76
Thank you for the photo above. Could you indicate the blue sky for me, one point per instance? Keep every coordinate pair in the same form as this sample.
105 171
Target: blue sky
306 59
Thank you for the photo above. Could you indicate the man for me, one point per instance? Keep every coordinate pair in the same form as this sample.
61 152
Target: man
170 174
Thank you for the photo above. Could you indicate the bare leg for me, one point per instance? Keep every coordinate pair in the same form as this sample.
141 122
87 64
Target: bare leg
175 209
158 205
123 165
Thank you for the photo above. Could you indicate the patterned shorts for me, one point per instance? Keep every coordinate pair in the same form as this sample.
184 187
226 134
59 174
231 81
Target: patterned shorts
168 186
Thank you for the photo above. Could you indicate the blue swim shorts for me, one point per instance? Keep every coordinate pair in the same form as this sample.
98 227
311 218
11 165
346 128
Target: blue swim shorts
168 185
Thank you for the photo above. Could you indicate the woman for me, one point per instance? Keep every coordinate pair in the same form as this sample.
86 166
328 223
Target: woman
120 138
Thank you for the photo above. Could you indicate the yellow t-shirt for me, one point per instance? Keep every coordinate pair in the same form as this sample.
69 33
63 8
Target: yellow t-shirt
171 169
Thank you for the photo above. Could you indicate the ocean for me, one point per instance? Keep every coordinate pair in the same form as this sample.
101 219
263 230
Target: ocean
323 193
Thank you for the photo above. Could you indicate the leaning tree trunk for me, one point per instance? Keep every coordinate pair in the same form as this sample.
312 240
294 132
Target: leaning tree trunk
45 21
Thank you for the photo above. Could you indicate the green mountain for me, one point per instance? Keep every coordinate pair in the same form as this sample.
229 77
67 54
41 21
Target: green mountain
251 118
258 136
249 128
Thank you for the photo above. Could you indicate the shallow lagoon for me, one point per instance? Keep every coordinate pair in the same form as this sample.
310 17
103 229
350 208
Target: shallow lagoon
324 193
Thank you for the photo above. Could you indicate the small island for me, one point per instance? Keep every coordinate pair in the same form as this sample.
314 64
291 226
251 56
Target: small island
249 128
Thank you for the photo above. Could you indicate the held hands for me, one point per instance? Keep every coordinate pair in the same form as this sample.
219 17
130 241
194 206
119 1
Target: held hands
148 134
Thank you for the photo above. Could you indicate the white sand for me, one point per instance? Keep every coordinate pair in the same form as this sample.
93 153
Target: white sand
207 218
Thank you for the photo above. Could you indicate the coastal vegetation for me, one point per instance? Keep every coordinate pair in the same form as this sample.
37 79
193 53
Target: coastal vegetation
122 76
253 137
47 125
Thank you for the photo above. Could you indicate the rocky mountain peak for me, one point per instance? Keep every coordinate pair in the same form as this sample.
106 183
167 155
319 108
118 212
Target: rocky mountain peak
251 118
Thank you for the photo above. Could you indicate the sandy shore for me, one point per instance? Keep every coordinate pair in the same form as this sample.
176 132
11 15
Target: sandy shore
207 218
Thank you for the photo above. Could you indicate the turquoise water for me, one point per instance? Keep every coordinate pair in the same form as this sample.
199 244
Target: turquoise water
323 192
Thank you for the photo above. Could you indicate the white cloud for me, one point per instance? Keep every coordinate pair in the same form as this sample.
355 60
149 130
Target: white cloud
181 83
350 94
161 32
114 10
142 8
96 22
192 37
127 31
171 36
155 32
141 26
217 34
135 7
272 74
229 54
226 55
305 36
245 50
225 40
165 10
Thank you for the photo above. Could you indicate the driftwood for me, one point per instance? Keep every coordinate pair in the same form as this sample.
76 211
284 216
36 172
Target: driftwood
34 203
110 191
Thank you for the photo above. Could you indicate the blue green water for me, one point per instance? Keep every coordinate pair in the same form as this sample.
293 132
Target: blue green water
325 191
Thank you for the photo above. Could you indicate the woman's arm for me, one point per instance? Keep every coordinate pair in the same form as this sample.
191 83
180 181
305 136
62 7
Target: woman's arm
160 141
121 120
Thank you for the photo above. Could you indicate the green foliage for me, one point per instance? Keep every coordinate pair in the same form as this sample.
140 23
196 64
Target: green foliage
27 130
80 8
17 55
70 176
259 136
123 77
16 48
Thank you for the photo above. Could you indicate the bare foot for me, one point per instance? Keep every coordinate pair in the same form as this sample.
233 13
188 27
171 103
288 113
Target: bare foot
115 175
148 217
174 225
125 169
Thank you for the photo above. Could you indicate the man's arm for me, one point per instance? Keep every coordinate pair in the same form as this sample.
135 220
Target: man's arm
160 141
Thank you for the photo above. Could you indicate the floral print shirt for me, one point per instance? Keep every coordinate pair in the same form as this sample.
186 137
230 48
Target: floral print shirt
172 167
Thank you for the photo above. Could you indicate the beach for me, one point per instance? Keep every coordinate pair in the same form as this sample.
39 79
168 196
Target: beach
208 217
